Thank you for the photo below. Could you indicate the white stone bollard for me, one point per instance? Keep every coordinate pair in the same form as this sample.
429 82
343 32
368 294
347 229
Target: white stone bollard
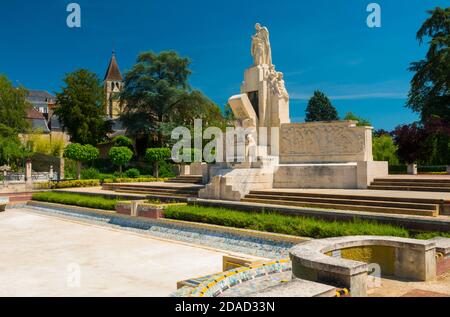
412 169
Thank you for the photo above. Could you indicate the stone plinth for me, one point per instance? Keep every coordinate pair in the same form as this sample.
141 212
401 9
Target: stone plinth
325 142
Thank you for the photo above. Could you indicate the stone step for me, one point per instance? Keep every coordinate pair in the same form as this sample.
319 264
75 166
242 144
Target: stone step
385 210
410 188
159 189
191 179
134 186
157 194
341 201
414 180
350 197
411 184
179 181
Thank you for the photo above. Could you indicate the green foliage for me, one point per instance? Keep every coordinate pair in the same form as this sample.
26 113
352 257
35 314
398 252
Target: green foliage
272 222
90 173
81 153
45 144
70 169
81 108
165 170
158 97
68 184
384 149
320 109
13 106
120 155
76 200
430 87
11 149
157 155
133 180
123 141
13 109
398 169
361 121
132 173
430 235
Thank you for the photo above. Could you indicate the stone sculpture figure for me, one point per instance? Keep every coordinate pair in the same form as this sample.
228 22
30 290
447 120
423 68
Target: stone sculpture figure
261 50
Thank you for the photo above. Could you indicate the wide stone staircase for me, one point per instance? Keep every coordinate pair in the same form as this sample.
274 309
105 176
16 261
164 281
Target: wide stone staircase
157 191
187 179
388 205
407 184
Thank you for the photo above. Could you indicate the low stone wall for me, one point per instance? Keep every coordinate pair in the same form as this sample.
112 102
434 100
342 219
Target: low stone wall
337 261
140 208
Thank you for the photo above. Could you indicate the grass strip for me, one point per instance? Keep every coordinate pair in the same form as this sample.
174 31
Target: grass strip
96 202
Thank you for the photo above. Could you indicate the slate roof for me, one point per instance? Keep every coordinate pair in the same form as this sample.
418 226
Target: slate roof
37 120
113 71
40 97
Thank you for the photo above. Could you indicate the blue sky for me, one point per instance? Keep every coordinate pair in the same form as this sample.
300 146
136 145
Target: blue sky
321 44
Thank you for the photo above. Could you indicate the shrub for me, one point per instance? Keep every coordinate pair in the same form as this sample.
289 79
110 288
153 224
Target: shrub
272 222
81 154
134 180
132 173
76 200
90 173
156 156
165 170
120 156
68 184
123 141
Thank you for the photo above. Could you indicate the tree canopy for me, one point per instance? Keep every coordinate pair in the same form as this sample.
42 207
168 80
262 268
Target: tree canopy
13 106
320 108
158 97
120 156
361 121
430 87
81 108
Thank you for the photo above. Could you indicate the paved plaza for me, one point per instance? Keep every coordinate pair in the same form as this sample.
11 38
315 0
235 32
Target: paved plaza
42 255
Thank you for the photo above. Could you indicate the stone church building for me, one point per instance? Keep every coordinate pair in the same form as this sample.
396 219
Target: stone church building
113 85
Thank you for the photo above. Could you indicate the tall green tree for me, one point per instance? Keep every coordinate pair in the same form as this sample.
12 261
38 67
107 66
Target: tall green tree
361 121
158 97
320 108
81 108
384 149
13 106
430 86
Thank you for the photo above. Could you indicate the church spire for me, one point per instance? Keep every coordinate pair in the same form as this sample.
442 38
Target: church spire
113 71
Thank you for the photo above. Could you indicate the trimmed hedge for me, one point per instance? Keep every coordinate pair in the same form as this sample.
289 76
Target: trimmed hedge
77 200
134 180
402 169
68 184
276 223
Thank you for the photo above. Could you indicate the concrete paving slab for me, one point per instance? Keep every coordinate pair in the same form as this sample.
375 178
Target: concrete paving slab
42 256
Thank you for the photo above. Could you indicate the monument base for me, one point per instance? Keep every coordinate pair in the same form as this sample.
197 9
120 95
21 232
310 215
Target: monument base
355 175
232 183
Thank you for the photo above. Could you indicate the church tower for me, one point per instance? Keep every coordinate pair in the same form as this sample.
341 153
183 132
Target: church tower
113 85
